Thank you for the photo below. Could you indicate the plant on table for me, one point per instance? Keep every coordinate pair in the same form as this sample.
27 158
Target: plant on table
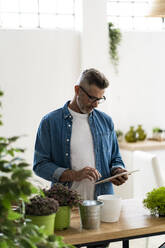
40 206
42 210
15 230
155 201
67 199
64 195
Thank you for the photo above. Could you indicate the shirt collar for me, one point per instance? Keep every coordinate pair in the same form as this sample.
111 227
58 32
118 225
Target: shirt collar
66 111
67 114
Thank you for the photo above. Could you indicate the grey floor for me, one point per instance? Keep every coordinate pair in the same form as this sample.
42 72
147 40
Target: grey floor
153 242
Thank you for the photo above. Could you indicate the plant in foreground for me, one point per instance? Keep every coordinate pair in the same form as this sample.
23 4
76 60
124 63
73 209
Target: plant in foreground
15 231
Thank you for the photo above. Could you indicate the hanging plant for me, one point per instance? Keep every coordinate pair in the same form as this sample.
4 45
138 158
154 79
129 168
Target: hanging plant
115 37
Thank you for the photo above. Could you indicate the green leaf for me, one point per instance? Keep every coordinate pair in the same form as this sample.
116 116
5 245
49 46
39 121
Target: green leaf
34 190
3 244
13 139
19 150
23 164
11 152
1 93
21 174
6 202
27 243
13 215
3 139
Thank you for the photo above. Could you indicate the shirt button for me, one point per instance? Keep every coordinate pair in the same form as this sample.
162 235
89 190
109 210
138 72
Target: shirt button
69 125
66 154
70 116
67 140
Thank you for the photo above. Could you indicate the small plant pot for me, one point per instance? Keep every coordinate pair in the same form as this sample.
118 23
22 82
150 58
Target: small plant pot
47 221
62 219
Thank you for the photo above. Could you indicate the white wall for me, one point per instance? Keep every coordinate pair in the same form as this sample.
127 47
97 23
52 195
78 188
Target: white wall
37 73
137 94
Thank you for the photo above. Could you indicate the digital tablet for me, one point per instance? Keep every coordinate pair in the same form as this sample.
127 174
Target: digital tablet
115 176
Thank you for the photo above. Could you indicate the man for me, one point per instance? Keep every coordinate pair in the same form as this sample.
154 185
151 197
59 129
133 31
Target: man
77 144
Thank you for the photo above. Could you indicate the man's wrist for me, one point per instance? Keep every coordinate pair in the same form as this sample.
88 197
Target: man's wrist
68 176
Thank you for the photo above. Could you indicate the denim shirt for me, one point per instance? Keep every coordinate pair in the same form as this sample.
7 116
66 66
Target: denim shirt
52 147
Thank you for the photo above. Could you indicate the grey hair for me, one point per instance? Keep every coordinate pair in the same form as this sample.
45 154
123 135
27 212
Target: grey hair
93 77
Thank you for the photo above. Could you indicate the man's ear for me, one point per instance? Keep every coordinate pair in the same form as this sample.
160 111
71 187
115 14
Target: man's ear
76 88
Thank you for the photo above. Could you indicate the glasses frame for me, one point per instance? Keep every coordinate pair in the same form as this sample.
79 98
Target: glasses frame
93 98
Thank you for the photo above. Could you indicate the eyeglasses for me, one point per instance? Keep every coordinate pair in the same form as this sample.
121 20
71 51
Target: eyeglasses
93 98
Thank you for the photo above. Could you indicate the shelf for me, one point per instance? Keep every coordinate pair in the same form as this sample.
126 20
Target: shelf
146 145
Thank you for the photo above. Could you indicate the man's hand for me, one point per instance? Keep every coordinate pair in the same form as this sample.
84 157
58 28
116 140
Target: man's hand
119 180
86 173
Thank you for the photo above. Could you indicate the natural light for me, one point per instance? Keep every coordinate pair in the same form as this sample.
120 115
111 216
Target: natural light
132 15
37 14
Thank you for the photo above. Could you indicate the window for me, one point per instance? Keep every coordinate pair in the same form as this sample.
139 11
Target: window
37 14
131 15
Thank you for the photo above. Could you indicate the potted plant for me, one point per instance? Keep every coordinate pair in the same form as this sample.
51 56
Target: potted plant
42 210
157 133
155 201
67 199
15 230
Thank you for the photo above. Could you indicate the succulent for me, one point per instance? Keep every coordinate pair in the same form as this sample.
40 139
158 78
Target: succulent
41 206
64 195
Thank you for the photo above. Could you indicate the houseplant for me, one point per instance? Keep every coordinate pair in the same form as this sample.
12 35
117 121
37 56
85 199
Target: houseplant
115 37
155 201
67 199
157 133
15 230
42 210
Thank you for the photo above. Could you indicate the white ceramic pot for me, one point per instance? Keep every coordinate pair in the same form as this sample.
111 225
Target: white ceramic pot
110 211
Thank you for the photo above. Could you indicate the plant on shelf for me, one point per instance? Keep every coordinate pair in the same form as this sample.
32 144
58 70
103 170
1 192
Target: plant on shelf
157 133
157 130
67 199
115 38
155 201
15 230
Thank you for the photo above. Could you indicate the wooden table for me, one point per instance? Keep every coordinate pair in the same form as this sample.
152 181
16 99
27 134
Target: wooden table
134 222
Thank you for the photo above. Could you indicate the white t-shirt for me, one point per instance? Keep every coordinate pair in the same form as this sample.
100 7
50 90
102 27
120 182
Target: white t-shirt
82 153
